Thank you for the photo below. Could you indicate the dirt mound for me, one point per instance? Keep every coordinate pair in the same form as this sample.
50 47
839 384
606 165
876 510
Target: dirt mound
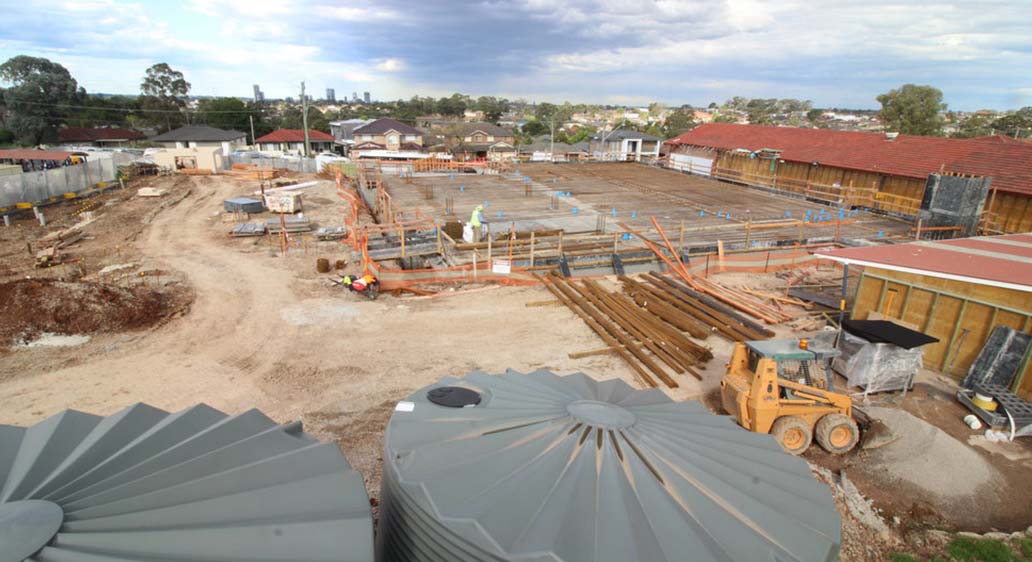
29 307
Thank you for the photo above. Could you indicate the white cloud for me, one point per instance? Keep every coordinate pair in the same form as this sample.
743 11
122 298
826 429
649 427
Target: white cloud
390 65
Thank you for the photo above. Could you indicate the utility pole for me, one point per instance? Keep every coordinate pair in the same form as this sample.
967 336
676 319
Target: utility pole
304 120
254 144
551 138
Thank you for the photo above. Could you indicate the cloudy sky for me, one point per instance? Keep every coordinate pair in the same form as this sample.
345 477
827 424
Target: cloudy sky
836 53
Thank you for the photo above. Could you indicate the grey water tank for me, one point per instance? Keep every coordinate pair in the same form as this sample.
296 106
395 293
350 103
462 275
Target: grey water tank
538 467
147 485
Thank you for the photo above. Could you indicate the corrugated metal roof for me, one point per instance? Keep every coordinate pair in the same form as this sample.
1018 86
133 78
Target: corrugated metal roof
1008 163
1000 261
198 485
570 469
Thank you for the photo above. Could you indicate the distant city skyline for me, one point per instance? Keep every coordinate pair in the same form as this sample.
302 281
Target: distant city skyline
835 53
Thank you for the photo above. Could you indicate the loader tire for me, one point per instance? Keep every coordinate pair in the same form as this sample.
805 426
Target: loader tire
837 433
793 434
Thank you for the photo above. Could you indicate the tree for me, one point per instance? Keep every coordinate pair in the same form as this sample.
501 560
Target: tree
913 110
455 105
680 121
38 97
164 91
974 126
814 115
1017 124
226 113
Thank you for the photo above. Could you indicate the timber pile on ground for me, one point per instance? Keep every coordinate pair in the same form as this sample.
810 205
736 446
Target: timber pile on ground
676 302
253 172
637 334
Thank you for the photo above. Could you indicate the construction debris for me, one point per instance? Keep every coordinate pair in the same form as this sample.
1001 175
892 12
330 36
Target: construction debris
150 192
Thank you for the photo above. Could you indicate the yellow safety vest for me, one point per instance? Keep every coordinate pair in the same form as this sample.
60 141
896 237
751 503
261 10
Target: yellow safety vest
474 220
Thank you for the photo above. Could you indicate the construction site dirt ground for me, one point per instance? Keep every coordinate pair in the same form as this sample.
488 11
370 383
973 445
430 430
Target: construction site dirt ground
254 329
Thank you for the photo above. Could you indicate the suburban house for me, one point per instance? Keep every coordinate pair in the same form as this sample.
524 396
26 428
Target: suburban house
885 171
480 141
544 150
625 145
202 136
293 141
343 133
98 136
387 138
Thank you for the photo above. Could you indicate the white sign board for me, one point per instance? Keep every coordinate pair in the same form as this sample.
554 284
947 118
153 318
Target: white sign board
501 266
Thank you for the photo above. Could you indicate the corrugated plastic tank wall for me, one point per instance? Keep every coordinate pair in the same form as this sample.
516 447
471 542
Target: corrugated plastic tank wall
198 485
539 467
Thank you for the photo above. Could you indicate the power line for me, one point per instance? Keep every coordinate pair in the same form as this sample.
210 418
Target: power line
130 109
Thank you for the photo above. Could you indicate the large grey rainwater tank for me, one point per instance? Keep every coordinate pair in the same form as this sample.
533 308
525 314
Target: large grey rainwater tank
147 485
539 467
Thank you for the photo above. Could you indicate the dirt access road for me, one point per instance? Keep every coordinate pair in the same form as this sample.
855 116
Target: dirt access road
268 332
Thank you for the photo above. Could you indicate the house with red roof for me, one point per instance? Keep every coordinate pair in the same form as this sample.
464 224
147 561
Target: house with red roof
293 141
98 136
887 172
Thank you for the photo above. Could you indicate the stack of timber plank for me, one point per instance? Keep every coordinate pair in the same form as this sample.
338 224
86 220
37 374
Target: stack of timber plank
645 340
253 172
676 295
196 171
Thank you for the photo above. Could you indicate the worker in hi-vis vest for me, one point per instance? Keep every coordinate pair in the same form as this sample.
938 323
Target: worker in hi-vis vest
476 220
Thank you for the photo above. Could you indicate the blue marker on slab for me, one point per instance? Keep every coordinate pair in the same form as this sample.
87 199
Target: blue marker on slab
788 213
500 215
880 234
627 236
555 180
462 188
487 203
702 213
634 214
567 193
614 211
575 210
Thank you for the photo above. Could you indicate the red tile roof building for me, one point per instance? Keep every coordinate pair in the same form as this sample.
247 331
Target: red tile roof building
98 135
294 135
896 165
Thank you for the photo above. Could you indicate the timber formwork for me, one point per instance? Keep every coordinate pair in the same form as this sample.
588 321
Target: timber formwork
532 207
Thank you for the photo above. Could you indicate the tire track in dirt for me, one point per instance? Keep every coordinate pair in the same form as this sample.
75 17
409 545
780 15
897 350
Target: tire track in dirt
210 354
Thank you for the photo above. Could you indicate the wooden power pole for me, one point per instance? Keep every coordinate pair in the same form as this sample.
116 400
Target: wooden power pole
304 120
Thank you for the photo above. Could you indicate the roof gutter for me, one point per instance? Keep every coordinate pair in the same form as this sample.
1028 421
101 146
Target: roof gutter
927 273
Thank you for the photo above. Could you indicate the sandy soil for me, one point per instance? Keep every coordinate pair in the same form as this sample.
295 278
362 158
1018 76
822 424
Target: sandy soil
268 332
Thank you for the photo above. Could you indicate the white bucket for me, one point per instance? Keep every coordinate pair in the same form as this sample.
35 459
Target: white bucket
973 422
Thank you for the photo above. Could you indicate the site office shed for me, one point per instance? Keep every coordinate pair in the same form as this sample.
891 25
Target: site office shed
947 287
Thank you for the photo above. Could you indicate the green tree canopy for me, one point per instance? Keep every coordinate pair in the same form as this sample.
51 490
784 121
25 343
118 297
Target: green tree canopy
680 121
913 110
1017 124
164 92
34 102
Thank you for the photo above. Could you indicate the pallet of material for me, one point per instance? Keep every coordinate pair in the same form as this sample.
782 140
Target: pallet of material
151 192
242 205
293 224
244 166
196 172
247 229
331 233
254 173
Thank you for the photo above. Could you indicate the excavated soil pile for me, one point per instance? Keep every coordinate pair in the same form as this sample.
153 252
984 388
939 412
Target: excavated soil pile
30 307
